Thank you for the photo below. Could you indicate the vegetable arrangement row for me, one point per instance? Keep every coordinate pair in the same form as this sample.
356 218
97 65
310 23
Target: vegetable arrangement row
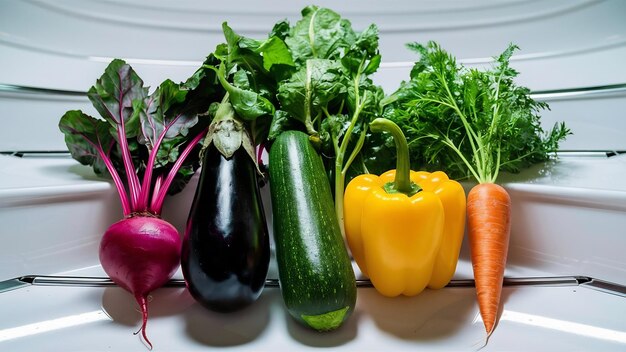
305 94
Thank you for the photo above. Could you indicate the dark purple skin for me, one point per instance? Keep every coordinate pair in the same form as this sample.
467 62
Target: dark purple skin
140 254
225 256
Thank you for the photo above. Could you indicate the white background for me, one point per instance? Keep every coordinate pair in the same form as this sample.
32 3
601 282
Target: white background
66 44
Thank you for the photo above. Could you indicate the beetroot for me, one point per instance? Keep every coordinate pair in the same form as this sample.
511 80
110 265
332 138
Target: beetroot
141 252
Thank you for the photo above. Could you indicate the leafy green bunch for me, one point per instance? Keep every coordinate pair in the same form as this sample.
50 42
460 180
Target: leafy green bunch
330 94
312 76
470 123
140 135
247 71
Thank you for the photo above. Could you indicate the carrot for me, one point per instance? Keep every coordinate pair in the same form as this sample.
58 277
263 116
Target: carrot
489 227
474 124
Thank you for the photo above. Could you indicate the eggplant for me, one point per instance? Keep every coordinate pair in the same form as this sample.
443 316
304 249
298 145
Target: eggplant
226 247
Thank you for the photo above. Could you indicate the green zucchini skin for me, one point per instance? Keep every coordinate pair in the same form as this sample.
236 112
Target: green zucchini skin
315 271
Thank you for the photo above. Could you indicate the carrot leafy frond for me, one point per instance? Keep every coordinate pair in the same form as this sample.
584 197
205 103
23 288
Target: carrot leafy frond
479 122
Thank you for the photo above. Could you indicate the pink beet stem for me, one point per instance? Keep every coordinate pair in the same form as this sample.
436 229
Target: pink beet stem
145 188
158 203
259 154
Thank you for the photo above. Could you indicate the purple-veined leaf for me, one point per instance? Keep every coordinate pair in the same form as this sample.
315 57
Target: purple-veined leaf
90 143
165 116
116 96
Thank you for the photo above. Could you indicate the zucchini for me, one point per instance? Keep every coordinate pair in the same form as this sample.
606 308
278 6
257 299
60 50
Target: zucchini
316 278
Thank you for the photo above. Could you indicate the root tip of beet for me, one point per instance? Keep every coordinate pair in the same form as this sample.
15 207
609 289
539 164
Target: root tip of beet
141 299
144 339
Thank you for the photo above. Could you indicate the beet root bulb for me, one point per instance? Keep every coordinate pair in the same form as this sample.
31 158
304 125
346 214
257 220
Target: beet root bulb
140 254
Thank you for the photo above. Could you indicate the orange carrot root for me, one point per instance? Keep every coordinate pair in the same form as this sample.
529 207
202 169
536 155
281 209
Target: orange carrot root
489 227
143 305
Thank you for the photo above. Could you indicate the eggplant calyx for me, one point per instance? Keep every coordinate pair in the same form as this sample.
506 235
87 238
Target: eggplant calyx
228 133
227 136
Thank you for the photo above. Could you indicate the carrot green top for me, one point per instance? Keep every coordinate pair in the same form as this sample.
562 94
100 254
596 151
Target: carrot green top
470 122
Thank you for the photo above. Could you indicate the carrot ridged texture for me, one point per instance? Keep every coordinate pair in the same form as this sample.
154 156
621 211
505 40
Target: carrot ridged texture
489 227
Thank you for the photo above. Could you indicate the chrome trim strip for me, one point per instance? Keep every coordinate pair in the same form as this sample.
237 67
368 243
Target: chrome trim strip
582 92
12 88
13 284
564 153
86 281
571 93
69 281
561 153
606 287
37 153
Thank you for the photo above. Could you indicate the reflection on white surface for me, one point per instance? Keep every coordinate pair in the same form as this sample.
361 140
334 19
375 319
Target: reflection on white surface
563 325
53 324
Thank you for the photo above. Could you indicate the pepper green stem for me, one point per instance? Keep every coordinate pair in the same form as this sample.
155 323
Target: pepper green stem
402 182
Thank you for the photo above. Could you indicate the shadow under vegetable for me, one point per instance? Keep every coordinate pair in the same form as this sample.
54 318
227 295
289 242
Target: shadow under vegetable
122 307
431 315
229 329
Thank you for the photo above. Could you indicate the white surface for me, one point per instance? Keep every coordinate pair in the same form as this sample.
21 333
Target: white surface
567 220
597 123
164 39
571 318
66 44
567 217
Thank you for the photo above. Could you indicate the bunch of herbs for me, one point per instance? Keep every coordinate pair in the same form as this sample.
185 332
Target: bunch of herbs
470 123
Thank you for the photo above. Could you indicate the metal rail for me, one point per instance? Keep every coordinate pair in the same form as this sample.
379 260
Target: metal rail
579 92
546 281
12 88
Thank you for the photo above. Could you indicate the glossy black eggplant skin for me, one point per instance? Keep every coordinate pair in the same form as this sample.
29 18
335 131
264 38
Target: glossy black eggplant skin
226 248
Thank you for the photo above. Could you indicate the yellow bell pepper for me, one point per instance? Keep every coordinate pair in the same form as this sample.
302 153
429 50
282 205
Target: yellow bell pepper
404 228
